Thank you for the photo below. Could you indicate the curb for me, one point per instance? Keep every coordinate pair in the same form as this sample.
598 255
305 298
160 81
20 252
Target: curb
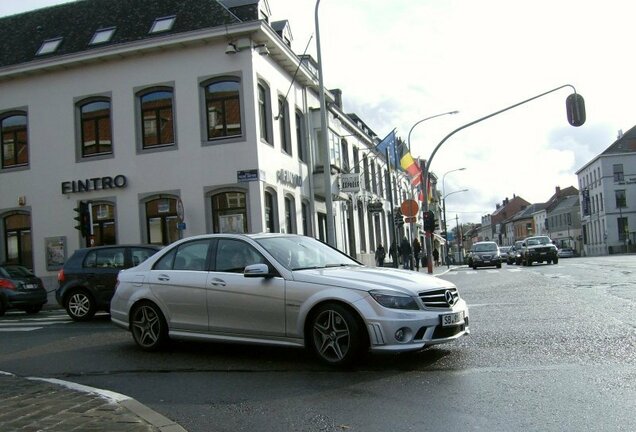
151 417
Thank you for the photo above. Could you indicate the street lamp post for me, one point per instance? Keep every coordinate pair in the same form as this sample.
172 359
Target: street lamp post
444 195
408 144
444 209
324 140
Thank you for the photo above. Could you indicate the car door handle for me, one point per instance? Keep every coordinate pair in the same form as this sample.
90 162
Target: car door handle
217 282
163 277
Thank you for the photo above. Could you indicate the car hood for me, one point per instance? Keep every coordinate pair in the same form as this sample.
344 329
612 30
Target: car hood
369 278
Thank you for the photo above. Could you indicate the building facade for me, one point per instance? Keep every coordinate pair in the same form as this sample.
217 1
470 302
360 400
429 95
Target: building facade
608 198
168 119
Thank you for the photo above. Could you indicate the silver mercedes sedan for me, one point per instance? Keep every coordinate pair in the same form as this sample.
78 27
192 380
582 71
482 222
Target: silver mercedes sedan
287 290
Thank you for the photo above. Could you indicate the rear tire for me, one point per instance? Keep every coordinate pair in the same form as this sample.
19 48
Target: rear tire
80 305
148 326
555 260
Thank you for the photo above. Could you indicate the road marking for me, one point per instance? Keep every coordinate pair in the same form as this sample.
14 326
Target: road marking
24 323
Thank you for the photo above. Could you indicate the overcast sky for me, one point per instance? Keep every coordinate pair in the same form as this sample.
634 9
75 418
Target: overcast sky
400 61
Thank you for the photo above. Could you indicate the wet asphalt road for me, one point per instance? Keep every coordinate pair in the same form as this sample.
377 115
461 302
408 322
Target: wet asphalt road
553 347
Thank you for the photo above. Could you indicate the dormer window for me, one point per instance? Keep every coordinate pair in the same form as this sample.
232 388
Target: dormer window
103 35
162 24
49 46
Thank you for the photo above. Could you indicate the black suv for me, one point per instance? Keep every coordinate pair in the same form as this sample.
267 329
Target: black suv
538 249
87 280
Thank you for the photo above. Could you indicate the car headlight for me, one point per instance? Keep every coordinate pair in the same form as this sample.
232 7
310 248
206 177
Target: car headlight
394 301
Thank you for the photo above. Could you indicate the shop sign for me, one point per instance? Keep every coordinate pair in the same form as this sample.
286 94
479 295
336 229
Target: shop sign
350 182
374 207
289 178
94 184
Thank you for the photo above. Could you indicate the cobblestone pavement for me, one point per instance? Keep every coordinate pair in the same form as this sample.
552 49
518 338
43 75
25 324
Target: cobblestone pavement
35 405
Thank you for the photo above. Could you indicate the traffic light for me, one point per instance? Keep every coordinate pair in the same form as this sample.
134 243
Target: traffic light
429 221
398 218
83 218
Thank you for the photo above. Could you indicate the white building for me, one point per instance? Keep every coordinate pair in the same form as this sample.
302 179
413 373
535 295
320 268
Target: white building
608 198
171 118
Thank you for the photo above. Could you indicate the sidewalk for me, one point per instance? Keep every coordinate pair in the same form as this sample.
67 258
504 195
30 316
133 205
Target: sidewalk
34 405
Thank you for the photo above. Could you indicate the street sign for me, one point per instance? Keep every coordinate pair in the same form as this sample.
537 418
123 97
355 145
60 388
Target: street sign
409 208
410 220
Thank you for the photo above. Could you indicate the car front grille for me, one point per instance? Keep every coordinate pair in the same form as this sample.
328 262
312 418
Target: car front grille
437 298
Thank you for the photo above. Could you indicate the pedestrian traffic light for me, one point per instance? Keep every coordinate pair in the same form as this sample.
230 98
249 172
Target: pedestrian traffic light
398 218
429 221
83 218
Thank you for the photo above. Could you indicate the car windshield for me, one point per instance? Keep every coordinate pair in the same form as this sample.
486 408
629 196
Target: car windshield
300 253
485 247
538 241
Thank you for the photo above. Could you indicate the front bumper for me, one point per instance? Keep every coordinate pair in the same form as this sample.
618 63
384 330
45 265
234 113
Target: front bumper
418 329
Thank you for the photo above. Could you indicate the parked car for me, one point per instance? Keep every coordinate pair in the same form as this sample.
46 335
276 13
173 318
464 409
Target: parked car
514 254
484 254
538 249
287 290
503 253
86 282
566 253
20 289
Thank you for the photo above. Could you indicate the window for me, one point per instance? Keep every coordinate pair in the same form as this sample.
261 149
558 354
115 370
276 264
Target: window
105 258
270 215
283 126
14 140
230 212
300 137
290 215
618 173
49 46
264 113
234 255
621 199
223 109
623 228
162 24
157 118
95 127
374 182
345 155
306 219
102 36
367 179
103 224
17 238
161 221
334 149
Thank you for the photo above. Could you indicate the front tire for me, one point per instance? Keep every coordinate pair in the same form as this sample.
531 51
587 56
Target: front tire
555 260
336 335
148 327
80 305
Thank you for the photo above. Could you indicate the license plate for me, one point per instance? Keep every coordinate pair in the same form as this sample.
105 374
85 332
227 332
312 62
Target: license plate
452 319
31 286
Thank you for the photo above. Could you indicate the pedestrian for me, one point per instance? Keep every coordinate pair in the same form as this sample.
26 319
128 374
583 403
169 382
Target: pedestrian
393 253
436 257
379 255
405 251
417 252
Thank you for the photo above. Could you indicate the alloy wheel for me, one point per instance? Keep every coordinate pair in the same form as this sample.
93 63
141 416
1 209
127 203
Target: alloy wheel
332 336
148 327
80 306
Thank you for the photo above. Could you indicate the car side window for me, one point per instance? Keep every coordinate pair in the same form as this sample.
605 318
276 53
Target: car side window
165 262
234 255
140 255
105 258
192 256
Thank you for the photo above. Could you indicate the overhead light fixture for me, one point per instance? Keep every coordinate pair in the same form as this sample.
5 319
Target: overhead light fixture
261 49
231 49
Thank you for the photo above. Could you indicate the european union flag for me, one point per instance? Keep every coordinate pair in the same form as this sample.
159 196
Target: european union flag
388 142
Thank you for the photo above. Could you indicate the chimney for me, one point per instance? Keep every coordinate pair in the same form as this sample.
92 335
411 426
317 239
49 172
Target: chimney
337 94
558 191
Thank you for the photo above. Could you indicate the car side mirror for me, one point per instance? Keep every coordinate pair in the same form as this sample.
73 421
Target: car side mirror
523 244
257 270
